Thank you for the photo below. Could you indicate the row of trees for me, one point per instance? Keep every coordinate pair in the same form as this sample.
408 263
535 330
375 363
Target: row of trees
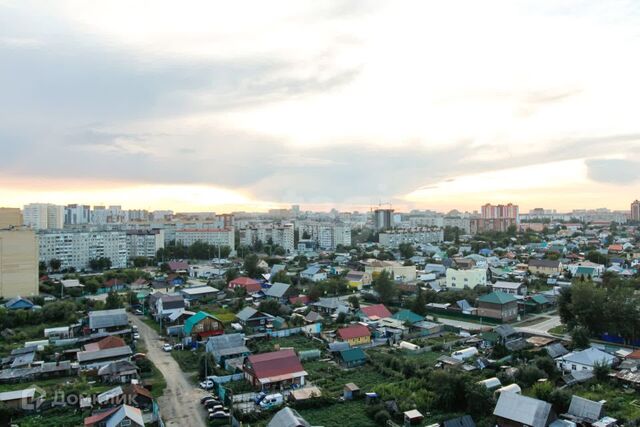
198 250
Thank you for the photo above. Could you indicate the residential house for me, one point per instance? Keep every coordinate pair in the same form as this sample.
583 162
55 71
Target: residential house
247 283
228 346
331 306
358 279
99 358
513 288
19 303
498 305
252 318
274 370
121 371
399 271
139 284
119 416
462 279
108 320
174 280
352 357
105 343
555 350
374 312
584 411
314 273
355 335
169 306
202 325
277 292
408 316
112 285
180 267
584 360
198 292
514 410
20 399
545 266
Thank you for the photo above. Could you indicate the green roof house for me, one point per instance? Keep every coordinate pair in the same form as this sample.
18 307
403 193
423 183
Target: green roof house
202 325
498 305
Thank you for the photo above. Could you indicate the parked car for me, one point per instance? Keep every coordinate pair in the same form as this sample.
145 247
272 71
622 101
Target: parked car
136 336
207 397
167 347
210 404
138 312
207 385
218 415
259 397
272 401
178 347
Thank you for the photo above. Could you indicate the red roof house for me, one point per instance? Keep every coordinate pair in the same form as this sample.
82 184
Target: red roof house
105 343
274 370
252 286
300 299
178 266
374 312
355 334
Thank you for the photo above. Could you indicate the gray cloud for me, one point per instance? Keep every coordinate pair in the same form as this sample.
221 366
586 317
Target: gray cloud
613 171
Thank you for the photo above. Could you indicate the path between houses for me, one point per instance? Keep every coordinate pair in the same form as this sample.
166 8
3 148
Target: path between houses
180 403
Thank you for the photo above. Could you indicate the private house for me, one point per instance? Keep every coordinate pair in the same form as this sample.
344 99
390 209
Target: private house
352 357
99 358
202 325
374 312
169 306
112 285
546 267
118 372
514 410
300 300
119 416
252 318
399 271
331 306
108 320
19 399
247 283
314 274
408 316
358 279
584 411
174 280
498 305
179 267
198 292
585 273
584 360
464 421
355 335
461 279
139 284
228 346
274 370
513 288
19 303
277 292
105 343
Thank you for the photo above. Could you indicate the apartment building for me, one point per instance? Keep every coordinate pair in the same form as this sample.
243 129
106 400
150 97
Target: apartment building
77 214
278 234
212 236
18 260
43 216
635 211
421 235
461 279
76 248
10 217
144 243
326 235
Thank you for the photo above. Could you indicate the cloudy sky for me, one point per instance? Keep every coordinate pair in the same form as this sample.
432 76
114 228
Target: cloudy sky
252 104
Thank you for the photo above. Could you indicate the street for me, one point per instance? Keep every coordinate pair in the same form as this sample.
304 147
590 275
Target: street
180 403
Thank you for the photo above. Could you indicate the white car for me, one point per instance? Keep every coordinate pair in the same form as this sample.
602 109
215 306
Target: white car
167 347
207 385
136 336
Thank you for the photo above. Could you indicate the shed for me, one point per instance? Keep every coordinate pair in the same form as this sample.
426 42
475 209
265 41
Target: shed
413 417
350 391
353 357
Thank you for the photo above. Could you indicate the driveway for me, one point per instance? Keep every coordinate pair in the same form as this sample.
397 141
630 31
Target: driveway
180 403
541 328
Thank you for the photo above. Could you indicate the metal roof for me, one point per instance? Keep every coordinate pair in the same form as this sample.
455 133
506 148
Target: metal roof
522 409
108 318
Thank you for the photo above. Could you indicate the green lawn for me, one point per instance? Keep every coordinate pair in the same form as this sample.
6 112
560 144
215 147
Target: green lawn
53 418
187 359
339 414
298 342
332 378
558 330
156 379
621 404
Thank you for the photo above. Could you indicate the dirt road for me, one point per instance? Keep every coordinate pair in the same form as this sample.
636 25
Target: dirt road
180 403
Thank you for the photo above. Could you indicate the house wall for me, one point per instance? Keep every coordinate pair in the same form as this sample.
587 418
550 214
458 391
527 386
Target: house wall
506 312
18 263
359 340
459 279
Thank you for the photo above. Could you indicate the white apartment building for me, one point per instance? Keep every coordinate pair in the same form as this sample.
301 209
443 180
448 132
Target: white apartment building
460 279
281 235
76 248
43 216
144 243
212 236
422 235
327 235
77 214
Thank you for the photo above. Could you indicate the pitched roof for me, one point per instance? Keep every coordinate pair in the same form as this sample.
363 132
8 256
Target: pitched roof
105 343
247 313
95 419
522 409
378 310
108 318
275 363
544 263
248 283
539 299
352 355
195 319
178 265
585 408
408 316
277 290
497 298
353 331
287 417
556 350
589 357
464 421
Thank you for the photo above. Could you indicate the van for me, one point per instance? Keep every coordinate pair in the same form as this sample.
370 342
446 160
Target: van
272 401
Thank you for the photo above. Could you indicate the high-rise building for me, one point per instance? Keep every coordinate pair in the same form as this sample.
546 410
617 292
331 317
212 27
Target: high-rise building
76 248
144 243
18 263
43 216
77 214
490 211
382 219
277 234
10 217
212 236
635 211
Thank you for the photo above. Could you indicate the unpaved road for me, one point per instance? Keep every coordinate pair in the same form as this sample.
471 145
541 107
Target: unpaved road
180 403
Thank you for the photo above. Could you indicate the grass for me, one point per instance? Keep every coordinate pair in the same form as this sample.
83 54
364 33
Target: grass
53 418
332 378
620 402
349 413
298 342
156 379
187 359
152 324
533 321
558 330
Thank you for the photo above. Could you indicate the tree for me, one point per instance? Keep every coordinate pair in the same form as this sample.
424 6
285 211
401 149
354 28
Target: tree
55 264
597 257
231 274
281 277
251 266
406 250
601 371
140 261
206 365
385 287
270 306
355 303
542 390
113 301
419 303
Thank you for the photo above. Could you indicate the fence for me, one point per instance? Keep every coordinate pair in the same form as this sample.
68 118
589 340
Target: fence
461 316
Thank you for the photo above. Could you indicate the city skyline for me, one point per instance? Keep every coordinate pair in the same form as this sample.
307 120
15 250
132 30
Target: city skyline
436 106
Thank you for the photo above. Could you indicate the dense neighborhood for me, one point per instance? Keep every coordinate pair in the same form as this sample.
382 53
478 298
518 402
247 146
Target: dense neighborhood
518 320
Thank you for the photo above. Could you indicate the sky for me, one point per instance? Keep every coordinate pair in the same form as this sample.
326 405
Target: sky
251 105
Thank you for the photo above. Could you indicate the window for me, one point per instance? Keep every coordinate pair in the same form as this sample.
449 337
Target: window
573 367
125 422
